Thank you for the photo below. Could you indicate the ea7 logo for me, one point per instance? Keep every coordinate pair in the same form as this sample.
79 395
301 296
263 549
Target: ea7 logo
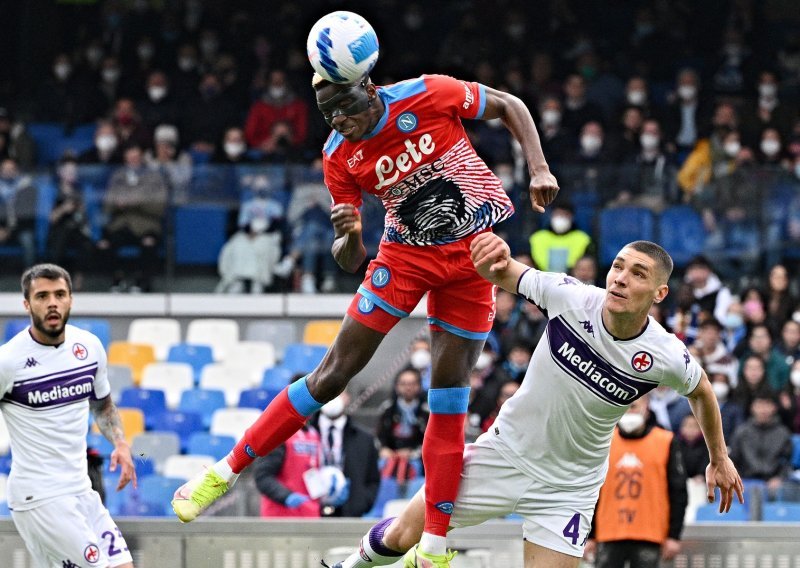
355 158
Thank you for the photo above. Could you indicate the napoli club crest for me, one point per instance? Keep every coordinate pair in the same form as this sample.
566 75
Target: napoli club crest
381 277
79 351
365 305
642 362
407 122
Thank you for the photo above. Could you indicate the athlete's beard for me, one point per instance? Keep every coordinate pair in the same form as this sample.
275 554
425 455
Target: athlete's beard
53 333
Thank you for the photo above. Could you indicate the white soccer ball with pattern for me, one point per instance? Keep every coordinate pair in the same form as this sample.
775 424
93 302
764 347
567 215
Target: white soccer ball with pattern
342 47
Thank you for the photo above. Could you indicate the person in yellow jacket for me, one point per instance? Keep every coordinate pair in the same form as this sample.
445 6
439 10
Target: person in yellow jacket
558 248
639 515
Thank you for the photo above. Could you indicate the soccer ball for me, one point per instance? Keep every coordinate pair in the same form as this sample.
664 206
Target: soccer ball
342 47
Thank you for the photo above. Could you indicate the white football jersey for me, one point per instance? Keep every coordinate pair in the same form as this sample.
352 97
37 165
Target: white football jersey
45 401
558 426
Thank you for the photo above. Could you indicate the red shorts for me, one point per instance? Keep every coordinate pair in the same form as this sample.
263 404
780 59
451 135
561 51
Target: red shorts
460 301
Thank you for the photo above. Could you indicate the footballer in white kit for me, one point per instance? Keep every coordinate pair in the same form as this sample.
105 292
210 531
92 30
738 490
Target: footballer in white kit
46 390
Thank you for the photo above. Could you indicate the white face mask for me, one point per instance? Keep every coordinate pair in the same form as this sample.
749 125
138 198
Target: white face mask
649 141
770 147
483 362
794 377
560 224
157 93
637 97
333 409
420 359
551 117
687 92
186 63
733 321
631 422
106 143
62 70
258 225
768 89
94 55
110 75
731 149
277 92
591 143
721 390
145 51
234 149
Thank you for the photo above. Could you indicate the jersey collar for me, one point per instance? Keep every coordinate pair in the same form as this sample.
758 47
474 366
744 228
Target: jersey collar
383 120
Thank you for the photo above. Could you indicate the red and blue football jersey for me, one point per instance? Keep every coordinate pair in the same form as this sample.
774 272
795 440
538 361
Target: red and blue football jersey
420 163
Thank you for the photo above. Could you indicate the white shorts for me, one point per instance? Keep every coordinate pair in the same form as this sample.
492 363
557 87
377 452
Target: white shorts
74 530
491 487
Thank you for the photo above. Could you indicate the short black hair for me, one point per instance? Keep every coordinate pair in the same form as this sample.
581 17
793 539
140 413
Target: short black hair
657 253
48 271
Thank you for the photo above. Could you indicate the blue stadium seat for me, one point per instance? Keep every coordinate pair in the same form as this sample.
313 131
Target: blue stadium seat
256 398
796 451
184 424
198 356
14 326
200 233
47 192
133 507
48 136
100 327
781 512
203 402
151 402
387 490
210 444
621 225
277 377
157 488
100 443
5 463
302 358
212 183
710 513
682 233
4 510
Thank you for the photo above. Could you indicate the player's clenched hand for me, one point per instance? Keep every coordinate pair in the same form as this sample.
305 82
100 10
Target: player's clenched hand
543 189
724 475
121 456
490 254
346 219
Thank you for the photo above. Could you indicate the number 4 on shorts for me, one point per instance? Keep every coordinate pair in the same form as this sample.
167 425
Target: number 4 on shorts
573 528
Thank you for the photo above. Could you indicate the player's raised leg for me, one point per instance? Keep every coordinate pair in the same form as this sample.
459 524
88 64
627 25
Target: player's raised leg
285 415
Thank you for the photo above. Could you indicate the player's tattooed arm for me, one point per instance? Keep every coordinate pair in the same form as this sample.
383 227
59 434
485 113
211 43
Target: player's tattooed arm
110 425
107 419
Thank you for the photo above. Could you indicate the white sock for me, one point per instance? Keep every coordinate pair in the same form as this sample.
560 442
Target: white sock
433 544
223 469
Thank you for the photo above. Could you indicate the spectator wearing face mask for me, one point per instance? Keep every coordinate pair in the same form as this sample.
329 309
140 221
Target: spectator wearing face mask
767 111
578 110
158 106
185 75
207 116
106 148
64 96
556 141
731 411
686 114
15 141
625 144
233 149
18 203
641 507
110 85
557 248
420 359
649 175
277 123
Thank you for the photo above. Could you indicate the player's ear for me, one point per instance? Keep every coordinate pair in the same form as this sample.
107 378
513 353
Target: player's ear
661 293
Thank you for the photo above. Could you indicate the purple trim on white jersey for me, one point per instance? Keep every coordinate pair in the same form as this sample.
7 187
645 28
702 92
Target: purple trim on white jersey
70 387
584 364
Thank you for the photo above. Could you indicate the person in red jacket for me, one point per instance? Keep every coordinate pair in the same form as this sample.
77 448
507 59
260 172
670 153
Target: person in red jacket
278 122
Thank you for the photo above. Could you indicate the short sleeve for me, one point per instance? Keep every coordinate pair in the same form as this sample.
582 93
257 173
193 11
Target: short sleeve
342 187
555 292
102 386
683 372
466 99
6 373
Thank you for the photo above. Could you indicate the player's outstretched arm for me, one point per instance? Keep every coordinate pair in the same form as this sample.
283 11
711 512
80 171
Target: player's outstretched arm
348 246
720 472
110 425
492 259
517 118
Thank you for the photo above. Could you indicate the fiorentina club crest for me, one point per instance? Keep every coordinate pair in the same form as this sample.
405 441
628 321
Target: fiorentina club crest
79 351
642 361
